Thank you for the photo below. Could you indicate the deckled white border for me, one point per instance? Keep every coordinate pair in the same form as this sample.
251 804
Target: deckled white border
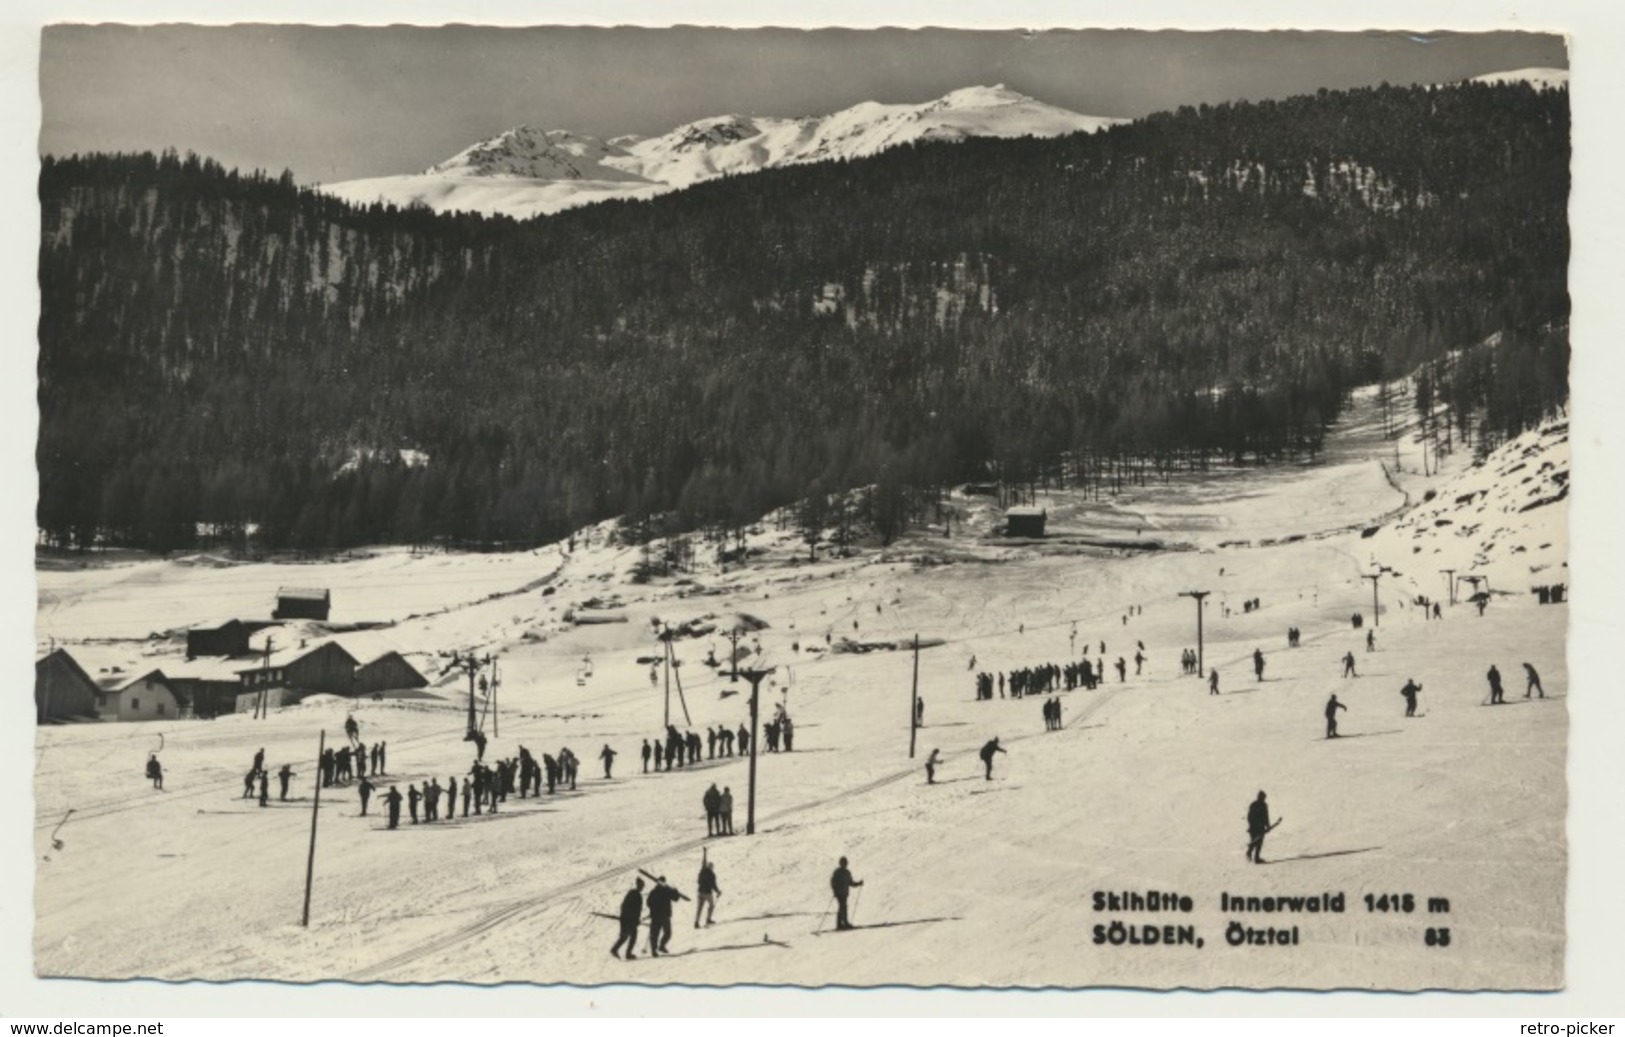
1596 902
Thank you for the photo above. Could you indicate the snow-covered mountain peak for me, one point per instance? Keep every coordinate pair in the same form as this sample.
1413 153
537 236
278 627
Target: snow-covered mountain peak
1539 78
534 154
526 172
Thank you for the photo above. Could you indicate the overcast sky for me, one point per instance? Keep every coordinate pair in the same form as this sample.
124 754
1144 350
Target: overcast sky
335 103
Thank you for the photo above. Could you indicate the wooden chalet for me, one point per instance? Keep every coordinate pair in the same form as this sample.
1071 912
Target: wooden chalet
148 697
303 603
388 672
285 677
229 638
62 689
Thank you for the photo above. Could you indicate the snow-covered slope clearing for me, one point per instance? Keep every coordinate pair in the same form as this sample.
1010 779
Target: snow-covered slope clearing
968 881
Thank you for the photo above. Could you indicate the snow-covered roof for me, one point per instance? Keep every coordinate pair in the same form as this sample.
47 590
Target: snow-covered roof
283 657
303 593
1026 511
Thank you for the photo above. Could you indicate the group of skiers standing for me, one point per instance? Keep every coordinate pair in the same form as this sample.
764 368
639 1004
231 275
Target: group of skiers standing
660 901
1047 677
719 811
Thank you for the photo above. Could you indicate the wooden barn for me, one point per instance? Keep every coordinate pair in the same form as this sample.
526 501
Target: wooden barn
1025 522
302 603
62 689
229 638
208 687
287 676
148 697
388 672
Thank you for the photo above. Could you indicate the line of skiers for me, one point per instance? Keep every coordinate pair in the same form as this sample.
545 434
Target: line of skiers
1048 677
483 787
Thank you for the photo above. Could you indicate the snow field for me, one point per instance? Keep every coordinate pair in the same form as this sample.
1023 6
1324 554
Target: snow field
969 882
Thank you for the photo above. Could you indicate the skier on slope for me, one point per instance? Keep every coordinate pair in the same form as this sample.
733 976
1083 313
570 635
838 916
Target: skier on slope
660 902
631 911
1494 677
1409 691
841 883
1258 663
1534 681
712 800
708 893
1258 826
931 766
1332 706
393 798
987 757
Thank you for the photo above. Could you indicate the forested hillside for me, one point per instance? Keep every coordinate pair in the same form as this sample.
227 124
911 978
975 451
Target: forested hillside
227 349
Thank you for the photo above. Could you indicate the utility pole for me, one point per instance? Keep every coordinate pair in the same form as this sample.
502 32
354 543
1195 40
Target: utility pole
914 701
665 636
470 665
733 658
495 682
1199 596
262 706
1376 609
1450 584
755 677
315 812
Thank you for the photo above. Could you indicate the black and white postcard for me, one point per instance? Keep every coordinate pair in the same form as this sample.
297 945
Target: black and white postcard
985 508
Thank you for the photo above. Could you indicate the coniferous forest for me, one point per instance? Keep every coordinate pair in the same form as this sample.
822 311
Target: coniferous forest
221 351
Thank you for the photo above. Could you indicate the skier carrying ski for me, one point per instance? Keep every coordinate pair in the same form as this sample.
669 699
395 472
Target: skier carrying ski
987 756
660 902
1332 706
631 911
1258 826
709 891
1409 691
841 883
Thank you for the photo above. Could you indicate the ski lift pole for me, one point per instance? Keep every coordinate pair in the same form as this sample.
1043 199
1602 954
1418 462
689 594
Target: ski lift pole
677 673
1376 608
1199 596
755 677
914 701
315 813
